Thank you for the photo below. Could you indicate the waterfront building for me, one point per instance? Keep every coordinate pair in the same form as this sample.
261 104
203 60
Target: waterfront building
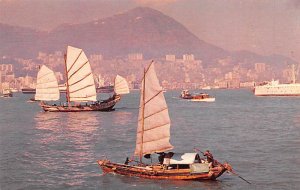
135 56
188 57
260 67
170 57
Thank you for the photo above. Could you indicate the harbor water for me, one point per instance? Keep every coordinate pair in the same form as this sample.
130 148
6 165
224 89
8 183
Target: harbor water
258 136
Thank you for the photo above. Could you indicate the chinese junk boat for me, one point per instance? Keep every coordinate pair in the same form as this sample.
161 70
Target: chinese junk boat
80 86
202 97
153 136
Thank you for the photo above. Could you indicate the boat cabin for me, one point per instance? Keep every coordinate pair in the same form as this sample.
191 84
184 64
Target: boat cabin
190 161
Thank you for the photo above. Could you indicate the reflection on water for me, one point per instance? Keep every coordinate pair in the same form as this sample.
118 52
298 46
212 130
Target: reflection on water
111 181
66 142
297 120
122 117
258 136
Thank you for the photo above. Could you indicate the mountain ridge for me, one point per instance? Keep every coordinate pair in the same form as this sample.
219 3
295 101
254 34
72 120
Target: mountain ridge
140 30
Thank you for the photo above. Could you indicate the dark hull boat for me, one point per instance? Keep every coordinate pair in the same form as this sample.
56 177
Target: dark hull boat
105 89
28 90
97 106
153 136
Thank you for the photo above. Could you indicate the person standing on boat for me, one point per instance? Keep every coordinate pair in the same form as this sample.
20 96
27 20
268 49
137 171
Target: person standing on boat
209 156
161 157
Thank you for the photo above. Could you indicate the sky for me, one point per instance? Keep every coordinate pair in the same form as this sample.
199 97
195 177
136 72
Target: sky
261 26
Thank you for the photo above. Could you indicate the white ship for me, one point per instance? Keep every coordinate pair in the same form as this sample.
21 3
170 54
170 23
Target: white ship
274 88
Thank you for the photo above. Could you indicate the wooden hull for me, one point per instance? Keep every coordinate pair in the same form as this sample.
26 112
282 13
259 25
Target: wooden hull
102 106
158 172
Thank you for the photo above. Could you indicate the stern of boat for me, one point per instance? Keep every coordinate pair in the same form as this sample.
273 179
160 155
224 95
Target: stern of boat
218 170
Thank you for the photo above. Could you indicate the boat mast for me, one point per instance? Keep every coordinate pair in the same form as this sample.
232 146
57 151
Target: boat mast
67 81
143 116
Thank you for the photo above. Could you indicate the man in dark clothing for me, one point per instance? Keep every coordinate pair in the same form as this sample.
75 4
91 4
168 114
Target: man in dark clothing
209 156
127 161
161 157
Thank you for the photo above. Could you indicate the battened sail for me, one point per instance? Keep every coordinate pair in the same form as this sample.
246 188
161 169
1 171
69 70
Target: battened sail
80 85
47 86
121 85
153 132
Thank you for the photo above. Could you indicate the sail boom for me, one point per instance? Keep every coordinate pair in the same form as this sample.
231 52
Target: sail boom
70 67
44 75
155 113
153 97
77 70
162 125
74 83
80 89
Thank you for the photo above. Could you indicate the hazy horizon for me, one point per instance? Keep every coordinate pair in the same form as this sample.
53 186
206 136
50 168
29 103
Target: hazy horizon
261 26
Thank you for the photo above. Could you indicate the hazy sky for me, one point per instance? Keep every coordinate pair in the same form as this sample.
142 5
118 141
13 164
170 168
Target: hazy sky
262 26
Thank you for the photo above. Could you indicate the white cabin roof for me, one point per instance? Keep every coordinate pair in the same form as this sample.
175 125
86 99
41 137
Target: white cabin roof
182 158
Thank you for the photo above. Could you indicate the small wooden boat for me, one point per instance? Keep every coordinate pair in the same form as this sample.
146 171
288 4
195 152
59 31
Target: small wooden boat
153 136
202 97
80 87
7 93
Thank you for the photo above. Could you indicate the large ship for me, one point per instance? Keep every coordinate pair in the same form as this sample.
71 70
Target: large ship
274 88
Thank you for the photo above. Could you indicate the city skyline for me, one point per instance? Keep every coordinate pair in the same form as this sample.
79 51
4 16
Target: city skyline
264 27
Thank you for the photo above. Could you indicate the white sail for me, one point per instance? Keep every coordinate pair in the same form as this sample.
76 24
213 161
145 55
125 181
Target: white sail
153 132
80 85
121 85
47 86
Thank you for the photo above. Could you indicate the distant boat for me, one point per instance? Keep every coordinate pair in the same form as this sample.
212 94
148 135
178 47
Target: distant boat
153 136
62 89
80 86
202 97
206 88
7 93
274 88
105 89
28 90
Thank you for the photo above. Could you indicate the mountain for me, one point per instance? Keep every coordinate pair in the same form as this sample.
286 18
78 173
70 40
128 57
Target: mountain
19 41
140 30
143 30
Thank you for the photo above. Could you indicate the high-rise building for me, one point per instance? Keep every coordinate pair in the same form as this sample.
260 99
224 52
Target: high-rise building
188 57
135 56
260 67
170 57
96 57
6 67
